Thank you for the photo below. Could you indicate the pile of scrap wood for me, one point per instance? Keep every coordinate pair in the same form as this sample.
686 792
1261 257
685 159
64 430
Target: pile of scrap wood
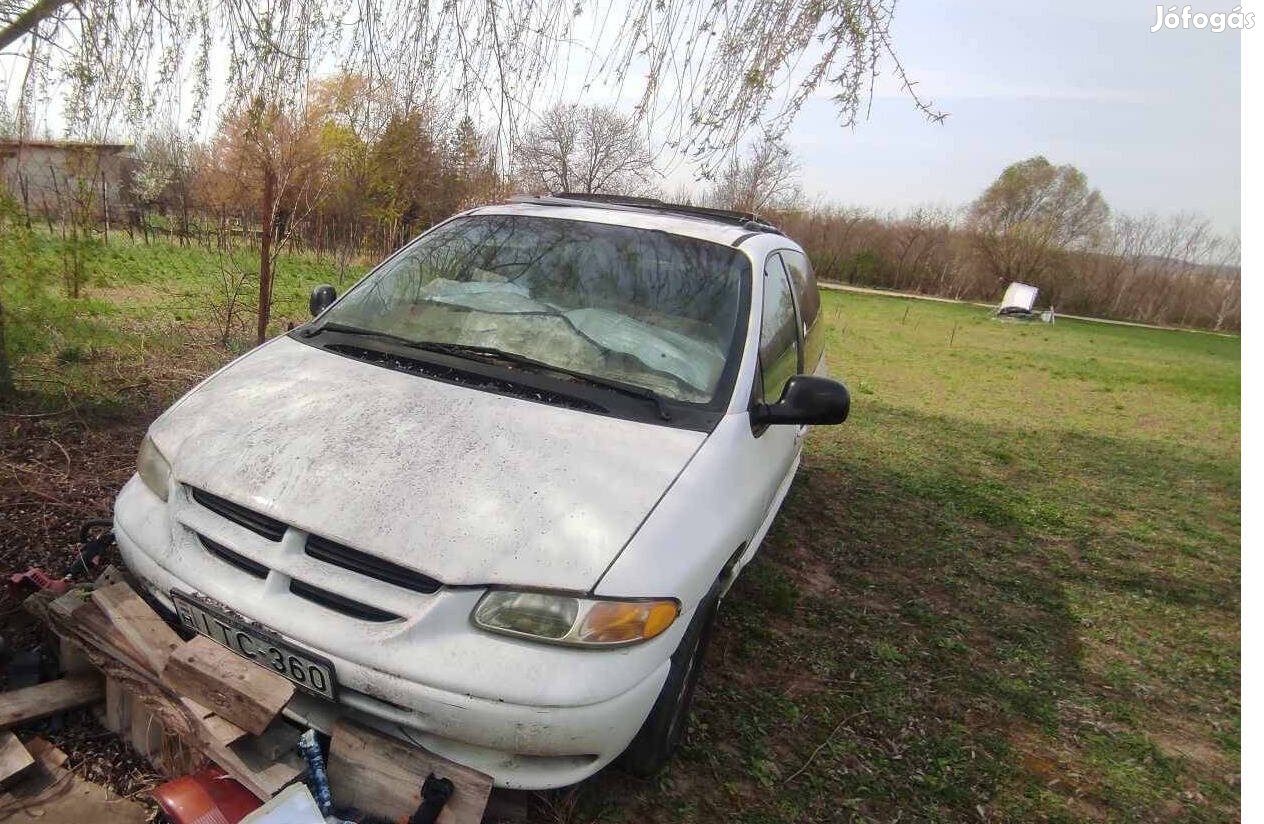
184 704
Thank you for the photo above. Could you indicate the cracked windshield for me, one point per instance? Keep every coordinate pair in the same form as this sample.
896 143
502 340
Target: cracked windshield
637 306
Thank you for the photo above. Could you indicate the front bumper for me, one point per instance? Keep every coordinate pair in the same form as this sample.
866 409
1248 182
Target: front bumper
529 715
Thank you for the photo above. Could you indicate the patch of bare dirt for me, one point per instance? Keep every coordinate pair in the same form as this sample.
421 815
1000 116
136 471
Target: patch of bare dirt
56 471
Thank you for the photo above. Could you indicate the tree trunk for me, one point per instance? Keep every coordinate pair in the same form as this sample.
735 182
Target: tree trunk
265 254
6 374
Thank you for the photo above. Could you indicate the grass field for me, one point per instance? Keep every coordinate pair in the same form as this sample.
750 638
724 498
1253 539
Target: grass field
1007 589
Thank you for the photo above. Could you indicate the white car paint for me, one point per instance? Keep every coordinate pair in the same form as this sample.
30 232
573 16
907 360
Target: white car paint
552 497
373 458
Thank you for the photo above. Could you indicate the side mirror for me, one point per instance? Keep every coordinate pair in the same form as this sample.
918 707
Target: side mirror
322 297
806 400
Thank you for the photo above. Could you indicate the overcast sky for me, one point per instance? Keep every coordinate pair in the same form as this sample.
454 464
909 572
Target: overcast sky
1152 119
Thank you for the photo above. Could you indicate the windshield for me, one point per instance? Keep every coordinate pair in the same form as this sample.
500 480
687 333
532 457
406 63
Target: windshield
637 306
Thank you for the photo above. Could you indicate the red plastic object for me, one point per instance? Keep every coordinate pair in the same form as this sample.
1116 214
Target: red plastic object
37 577
208 796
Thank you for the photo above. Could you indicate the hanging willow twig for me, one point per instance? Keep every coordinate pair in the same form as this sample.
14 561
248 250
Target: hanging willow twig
704 74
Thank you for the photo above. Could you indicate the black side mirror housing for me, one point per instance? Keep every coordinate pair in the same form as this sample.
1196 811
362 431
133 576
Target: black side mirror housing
322 297
806 401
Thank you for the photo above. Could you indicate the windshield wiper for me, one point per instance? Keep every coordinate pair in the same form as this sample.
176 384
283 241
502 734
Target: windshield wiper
347 329
492 353
487 354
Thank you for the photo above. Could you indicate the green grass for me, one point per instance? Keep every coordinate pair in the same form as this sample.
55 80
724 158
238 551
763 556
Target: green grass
142 303
1007 589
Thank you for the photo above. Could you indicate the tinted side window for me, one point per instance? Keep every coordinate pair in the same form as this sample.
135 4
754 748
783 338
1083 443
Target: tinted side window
809 299
778 332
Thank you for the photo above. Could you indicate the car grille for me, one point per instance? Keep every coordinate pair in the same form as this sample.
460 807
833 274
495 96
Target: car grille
316 547
269 528
229 557
337 603
325 550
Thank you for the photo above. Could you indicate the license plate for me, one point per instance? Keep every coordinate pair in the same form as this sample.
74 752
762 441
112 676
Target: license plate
257 643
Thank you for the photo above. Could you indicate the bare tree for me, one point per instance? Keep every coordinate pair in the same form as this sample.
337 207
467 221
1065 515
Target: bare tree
274 154
1031 212
765 178
589 149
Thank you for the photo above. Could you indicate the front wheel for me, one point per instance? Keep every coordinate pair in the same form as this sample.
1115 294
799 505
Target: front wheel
665 726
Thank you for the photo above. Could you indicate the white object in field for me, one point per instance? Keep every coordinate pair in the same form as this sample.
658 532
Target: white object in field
1019 296
293 805
1047 316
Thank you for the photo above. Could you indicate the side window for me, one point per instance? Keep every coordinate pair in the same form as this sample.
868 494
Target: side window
809 299
778 332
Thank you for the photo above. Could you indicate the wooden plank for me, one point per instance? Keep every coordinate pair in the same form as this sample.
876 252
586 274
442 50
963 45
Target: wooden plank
242 692
267 773
383 776
118 706
67 604
143 628
223 730
14 759
109 575
45 753
89 626
145 732
49 698
83 621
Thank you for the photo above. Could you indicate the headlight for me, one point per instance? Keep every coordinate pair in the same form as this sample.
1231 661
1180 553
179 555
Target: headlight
153 468
567 619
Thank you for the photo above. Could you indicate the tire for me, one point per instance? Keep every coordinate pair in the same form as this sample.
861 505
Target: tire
665 726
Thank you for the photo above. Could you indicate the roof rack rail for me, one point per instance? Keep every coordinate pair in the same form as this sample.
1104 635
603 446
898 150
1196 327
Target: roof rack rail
749 221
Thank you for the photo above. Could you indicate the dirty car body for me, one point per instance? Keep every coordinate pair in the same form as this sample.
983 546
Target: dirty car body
494 492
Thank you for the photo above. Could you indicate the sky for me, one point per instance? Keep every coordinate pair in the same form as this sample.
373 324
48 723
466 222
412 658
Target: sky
1152 119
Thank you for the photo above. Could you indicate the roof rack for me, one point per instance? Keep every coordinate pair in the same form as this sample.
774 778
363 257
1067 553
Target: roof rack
749 221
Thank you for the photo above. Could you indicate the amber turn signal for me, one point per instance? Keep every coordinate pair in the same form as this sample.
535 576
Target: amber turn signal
615 622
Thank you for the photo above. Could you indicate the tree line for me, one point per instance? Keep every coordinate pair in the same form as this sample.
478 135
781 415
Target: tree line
356 172
1039 224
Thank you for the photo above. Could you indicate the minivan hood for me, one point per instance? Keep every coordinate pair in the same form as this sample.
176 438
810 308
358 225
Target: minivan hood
461 484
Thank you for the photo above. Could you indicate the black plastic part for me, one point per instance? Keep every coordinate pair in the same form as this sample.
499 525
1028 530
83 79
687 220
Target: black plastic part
321 298
270 528
435 792
807 401
535 387
323 549
337 603
91 548
231 558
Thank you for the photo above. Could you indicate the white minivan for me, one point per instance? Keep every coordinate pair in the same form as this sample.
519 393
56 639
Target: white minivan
489 499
